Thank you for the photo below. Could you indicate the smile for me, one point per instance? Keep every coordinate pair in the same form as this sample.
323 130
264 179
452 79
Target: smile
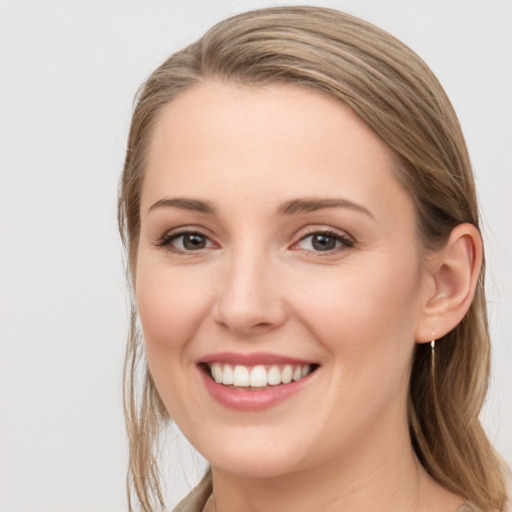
257 377
254 382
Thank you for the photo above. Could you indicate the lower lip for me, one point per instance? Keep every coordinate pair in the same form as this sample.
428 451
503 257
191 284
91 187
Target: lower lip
241 400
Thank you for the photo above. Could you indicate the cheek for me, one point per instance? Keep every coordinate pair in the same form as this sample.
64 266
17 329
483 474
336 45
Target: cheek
365 311
366 322
170 307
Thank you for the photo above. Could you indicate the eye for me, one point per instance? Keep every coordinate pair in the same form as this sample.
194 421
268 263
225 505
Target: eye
185 241
324 241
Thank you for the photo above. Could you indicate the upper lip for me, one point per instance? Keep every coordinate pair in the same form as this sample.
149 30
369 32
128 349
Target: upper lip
253 359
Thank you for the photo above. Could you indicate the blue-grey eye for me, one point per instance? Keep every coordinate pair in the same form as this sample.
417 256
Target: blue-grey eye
324 242
192 241
185 241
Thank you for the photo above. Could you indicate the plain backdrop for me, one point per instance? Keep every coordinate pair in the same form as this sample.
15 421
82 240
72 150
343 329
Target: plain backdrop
68 73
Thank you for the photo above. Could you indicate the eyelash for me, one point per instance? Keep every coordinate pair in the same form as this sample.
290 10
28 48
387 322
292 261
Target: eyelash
167 240
345 241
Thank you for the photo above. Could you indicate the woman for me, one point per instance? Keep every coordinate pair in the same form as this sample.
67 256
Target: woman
303 242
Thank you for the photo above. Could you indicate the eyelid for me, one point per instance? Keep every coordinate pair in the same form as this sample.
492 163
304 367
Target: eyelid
165 241
347 241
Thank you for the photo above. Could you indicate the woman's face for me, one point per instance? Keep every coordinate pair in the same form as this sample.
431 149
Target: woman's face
277 244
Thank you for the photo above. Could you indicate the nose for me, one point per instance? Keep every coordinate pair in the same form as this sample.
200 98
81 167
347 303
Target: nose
249 300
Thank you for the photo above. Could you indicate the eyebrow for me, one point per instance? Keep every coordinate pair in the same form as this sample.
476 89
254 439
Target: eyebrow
185 204
291 207
306 205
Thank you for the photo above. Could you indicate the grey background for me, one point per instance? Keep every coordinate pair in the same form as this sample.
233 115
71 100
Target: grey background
68 73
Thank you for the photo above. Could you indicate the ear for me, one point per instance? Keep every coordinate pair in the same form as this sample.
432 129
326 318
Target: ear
452 275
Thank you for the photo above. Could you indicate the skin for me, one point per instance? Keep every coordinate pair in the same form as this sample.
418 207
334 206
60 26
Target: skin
259 285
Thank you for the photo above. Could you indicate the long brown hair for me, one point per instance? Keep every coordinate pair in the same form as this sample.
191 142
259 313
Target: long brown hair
398 96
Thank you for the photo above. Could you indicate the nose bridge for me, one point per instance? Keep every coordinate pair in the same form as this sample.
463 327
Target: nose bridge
249 300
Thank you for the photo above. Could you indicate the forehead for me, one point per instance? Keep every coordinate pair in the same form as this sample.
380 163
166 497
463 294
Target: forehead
290 140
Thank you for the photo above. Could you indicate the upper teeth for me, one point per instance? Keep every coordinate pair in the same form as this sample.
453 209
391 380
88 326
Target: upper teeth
257 376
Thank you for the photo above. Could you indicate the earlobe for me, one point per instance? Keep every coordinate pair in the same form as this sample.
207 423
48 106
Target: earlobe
454 272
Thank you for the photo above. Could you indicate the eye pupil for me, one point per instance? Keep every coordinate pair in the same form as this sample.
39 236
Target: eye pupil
323 242
193 242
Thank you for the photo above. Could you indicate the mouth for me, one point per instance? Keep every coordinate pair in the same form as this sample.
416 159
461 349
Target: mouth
254 382
258 377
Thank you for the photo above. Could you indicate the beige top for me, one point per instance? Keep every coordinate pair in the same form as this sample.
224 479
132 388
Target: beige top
198 496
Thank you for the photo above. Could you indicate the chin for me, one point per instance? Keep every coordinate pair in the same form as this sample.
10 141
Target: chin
256 467
252 454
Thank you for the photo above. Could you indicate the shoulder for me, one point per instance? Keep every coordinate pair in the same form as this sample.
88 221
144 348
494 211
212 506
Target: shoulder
197 497
508 487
